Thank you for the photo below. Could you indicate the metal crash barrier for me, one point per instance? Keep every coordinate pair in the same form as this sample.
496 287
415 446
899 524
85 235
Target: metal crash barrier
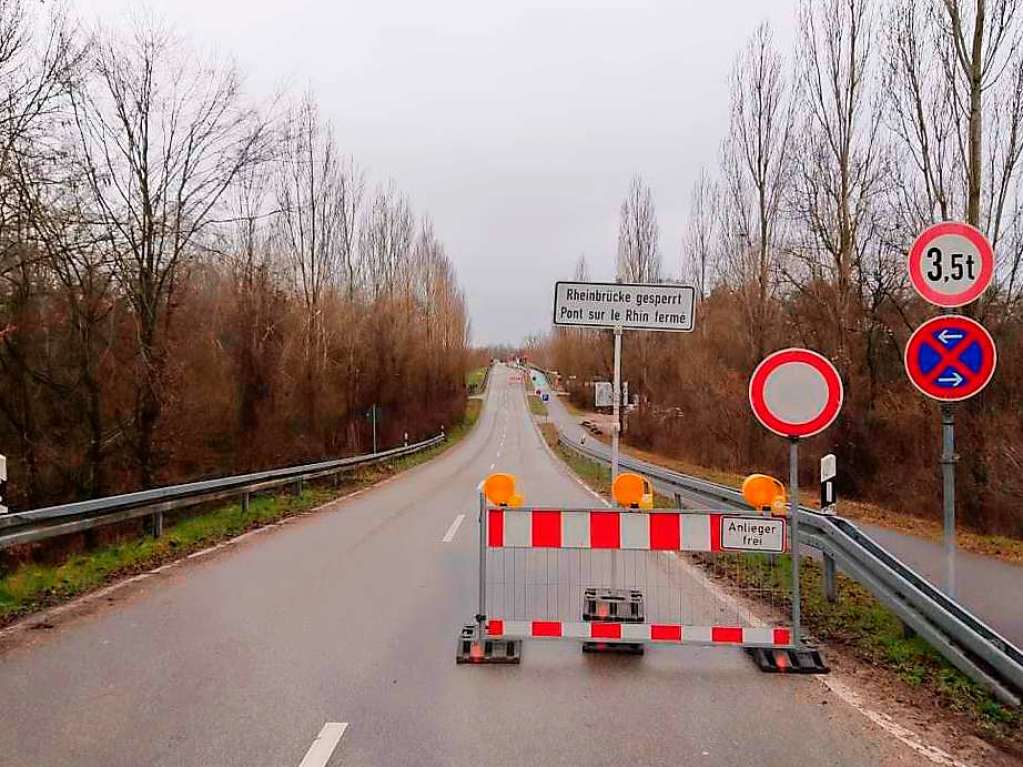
618 579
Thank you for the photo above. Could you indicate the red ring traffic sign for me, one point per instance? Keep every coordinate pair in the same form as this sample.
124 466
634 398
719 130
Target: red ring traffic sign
951 264
950 358
796 393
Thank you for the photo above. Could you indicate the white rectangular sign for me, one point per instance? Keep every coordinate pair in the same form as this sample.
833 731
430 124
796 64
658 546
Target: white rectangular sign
603 394
753 534
635 307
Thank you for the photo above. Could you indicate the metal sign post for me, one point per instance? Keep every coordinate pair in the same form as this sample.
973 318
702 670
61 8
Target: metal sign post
797 637
950 358
616 405
795 393
948 482
623 306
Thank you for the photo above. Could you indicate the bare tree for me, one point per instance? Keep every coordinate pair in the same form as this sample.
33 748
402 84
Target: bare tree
755 172
385 239
956 84
162 135
701 237
840 161
639 256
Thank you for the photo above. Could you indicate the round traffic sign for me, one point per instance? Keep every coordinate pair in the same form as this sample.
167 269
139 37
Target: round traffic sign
951 264
950 358
796 392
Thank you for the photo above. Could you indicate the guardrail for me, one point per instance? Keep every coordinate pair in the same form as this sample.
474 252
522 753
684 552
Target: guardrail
961 637
53 521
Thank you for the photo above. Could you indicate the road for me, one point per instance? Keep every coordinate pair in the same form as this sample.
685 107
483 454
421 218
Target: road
989 587
350 615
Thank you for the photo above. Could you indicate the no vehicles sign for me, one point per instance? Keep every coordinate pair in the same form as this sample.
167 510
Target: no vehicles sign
629 306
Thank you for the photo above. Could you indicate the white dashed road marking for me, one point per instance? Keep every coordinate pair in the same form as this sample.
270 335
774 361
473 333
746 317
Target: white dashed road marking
322 749
450 534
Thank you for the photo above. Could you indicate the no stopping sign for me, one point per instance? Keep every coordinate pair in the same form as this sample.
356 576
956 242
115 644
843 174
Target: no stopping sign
796 393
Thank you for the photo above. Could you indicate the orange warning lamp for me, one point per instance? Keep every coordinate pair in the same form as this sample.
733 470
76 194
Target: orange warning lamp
763 492
632 491
500 490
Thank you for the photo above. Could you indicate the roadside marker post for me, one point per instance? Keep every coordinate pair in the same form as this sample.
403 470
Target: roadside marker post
950 358
795 393
829 501
624 306
3 483
829 474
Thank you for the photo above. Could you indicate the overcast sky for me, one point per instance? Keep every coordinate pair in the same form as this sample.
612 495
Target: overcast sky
516 125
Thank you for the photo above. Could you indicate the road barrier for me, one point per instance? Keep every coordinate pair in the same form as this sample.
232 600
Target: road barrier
617 579
950 628
53 521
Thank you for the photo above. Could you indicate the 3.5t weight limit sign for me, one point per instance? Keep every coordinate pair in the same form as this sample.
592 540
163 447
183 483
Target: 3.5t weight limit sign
951 264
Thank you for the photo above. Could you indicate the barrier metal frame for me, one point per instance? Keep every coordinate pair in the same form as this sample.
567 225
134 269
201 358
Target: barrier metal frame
782 638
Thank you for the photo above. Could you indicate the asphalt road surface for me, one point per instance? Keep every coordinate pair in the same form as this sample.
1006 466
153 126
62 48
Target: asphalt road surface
989 587
351 615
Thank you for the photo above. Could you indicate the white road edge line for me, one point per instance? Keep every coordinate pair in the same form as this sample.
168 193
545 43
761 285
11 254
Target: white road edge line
905 736
322 749
450 534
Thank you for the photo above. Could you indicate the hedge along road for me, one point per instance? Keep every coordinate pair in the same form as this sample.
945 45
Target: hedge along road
350 616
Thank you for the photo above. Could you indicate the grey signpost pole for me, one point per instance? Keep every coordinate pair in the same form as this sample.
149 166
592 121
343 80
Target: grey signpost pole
481 615
617 404
797 639
935 263
948 477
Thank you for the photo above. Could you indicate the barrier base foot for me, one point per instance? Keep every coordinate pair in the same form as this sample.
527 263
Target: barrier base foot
613 648
616 605
489 651
773 661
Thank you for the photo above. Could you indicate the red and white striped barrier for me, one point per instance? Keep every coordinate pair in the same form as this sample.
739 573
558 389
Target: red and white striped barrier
649 531
739 636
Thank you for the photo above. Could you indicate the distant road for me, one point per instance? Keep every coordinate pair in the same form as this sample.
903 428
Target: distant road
990 587
350 616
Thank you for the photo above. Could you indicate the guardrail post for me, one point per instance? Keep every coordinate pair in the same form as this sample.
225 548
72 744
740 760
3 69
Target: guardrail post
158 524
300 486
829 578
245 503
678 500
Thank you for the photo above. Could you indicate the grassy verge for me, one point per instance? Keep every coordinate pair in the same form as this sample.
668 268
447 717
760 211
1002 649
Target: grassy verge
537 406
857 622
31 587
475 378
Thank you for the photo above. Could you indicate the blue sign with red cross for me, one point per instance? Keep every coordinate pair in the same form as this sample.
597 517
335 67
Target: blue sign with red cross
950 358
